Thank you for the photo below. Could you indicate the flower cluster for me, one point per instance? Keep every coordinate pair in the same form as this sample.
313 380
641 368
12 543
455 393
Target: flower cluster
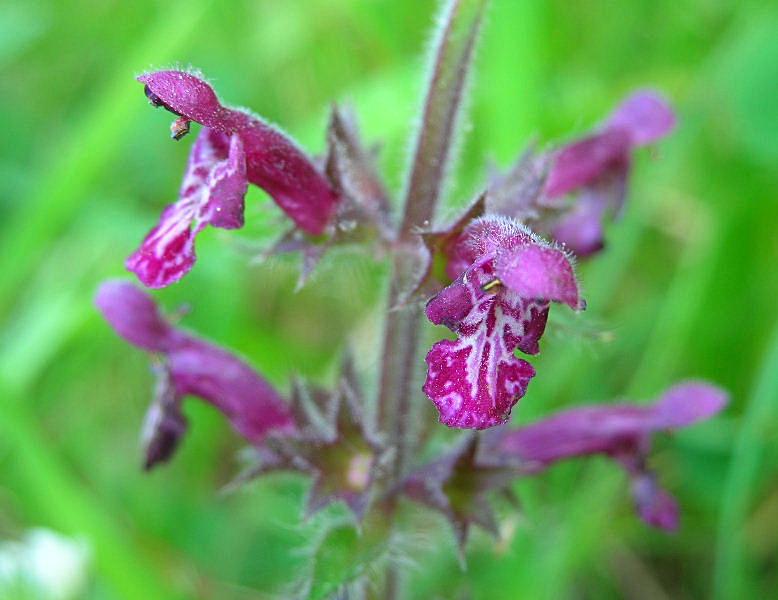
490 277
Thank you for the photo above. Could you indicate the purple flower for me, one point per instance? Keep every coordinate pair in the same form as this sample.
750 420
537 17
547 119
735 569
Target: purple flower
211 194
498 303
598 167
191 367
234 148
622 432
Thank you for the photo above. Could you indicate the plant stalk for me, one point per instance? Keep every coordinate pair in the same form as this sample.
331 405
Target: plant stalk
432 157
400 367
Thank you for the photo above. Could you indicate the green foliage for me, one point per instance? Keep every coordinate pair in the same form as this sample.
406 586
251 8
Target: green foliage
687 286
347 558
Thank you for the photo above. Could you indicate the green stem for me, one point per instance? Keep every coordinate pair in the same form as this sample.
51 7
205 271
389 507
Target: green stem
431 161
453 58
432 156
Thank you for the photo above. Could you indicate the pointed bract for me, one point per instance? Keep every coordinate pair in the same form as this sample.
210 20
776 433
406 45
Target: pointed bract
334 444
517 194
458 484
350 169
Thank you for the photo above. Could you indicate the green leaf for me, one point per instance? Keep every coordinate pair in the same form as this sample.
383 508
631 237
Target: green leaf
345 555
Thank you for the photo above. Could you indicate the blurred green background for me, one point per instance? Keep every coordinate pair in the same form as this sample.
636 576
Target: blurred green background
687 285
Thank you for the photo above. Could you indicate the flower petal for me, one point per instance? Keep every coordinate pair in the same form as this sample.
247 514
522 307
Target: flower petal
165 424
581 228
476 380
212 193
204 370
184 94
539 273
227 184
577 432
193 367
583 162
616 429
645 115
653 504
273 161
686 403
134 315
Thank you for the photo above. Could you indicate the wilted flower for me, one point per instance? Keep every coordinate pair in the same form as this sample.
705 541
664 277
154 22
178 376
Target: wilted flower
234 148
191 367
499 302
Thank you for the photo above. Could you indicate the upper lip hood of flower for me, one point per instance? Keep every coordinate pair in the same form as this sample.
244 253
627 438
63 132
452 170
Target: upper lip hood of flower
273 161
184 94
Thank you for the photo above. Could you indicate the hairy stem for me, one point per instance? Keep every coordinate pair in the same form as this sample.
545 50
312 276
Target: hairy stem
432 156
452 62
434 144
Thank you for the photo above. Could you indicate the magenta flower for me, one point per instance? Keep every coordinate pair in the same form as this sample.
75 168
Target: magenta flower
620 431
235 148
597 167
191 367
211 194
499 302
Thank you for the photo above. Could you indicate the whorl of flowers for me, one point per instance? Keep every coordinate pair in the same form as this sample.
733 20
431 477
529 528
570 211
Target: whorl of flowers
490 277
